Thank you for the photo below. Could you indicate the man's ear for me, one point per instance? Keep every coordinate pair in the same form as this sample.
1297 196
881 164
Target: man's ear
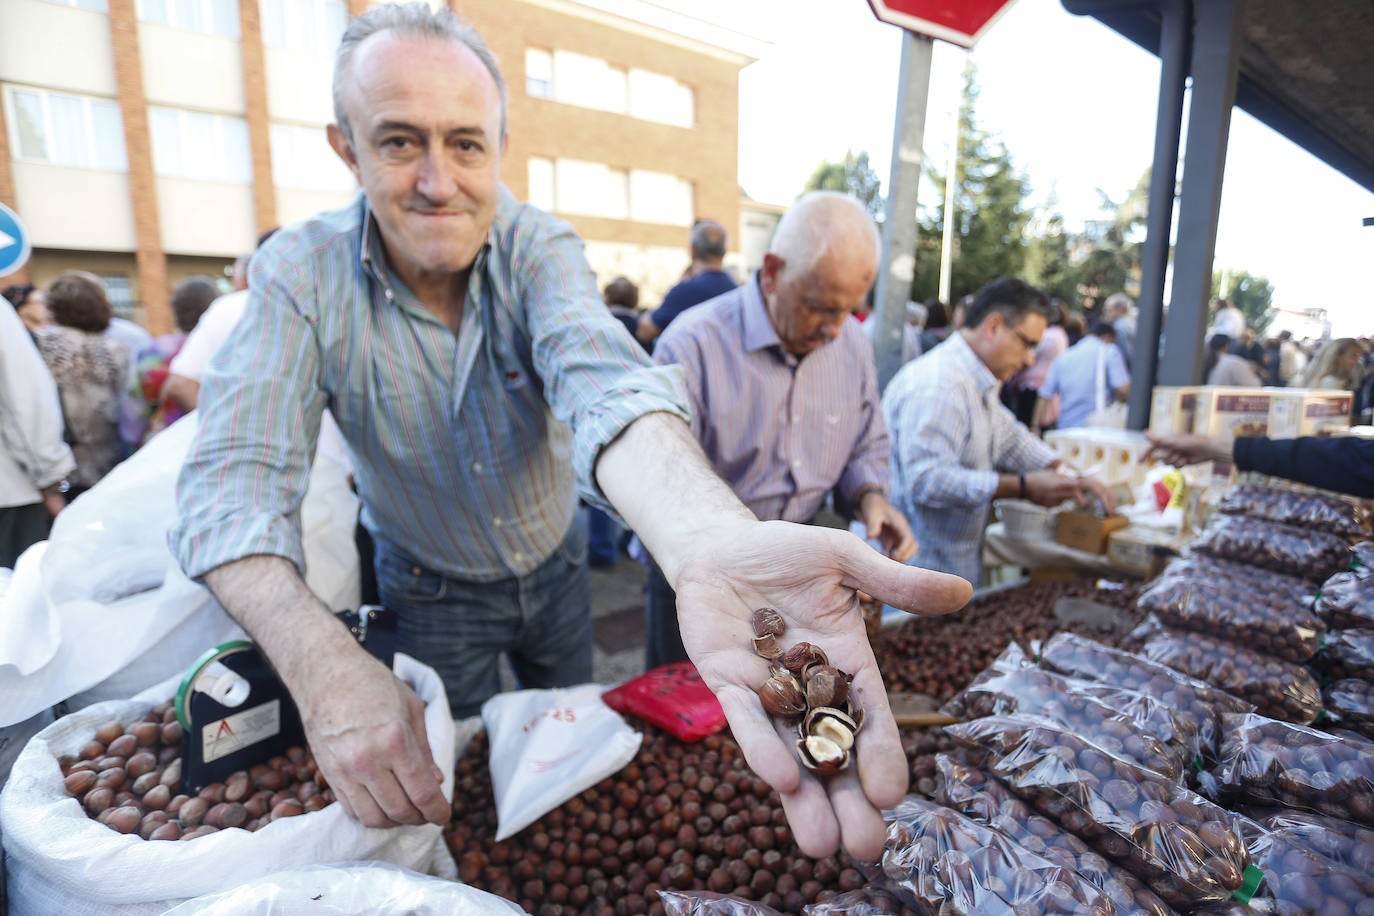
768 273
344 149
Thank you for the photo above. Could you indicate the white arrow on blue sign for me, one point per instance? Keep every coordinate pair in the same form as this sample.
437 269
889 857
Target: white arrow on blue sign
14 242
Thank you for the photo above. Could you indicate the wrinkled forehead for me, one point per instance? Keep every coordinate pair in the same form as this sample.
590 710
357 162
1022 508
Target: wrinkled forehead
433 71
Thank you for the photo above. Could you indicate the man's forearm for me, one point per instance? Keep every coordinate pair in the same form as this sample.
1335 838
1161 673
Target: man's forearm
659 480
269 599
182 391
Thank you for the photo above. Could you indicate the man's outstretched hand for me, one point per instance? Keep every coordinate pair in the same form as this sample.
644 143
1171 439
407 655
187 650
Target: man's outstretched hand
809 575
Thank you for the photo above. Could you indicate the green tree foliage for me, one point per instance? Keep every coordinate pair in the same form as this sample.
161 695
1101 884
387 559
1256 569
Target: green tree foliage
989 219
852 176
1109 251
1253 295
1047 259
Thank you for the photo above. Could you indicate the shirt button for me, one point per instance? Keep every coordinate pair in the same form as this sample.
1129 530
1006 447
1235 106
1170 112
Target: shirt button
477 466
415 570
387 292
497 522
796 462
518 557
796 418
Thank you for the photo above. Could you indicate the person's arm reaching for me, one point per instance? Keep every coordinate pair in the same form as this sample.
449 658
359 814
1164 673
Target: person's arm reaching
1343 464
366 727
724 564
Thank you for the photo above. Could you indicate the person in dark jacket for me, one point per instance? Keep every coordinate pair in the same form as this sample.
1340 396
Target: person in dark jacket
1342 464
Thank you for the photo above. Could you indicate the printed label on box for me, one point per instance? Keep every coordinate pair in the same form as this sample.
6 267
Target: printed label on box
232 733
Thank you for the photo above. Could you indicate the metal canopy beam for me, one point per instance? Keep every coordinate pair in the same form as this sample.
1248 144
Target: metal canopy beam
1216 53
1175 47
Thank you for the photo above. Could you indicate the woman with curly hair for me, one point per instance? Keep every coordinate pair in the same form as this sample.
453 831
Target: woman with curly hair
1336 367
91 370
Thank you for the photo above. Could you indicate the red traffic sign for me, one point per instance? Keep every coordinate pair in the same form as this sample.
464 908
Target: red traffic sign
960 22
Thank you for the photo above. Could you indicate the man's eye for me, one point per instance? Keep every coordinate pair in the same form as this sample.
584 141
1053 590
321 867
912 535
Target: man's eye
395 143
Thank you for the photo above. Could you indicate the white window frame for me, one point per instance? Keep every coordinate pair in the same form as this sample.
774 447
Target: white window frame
220 170
91 150
206 25
315 34
93 6
290 161
544 85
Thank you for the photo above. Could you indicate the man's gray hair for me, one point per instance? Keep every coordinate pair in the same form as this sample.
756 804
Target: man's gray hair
817 220
410 19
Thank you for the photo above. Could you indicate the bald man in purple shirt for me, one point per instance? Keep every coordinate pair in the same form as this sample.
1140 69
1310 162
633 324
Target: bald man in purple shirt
784 393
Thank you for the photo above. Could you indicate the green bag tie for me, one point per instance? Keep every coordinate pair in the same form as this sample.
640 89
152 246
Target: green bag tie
1252 878
1197 763
1321 717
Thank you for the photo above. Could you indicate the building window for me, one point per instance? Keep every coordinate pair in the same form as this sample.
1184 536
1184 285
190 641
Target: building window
308 26
659 198
303 158
214 17
64 129
538 73
582 188
94 5
120 293
655 97
192 144
589 82
541 184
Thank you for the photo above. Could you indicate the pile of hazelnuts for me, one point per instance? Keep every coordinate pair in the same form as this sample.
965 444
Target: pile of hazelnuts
804 687
130 780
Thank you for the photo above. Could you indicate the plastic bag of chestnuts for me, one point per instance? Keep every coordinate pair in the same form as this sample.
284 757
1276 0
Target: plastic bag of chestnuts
1346 654
1264 622
1190 699
1342 842
1350 703
1301 509
1346 600
972 792
944 862
1267 762
1240 576
1277 688
1129 724
1181 845
1281 548
1298 879
710 903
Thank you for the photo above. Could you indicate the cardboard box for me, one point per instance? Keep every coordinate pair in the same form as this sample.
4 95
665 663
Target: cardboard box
1309 412
1114 454
1229 412
1085 531
1138 549
1172 408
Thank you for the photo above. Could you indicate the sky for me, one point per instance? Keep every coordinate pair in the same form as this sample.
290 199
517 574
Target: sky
1075 105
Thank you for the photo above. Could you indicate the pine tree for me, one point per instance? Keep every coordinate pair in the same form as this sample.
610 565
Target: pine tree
853 176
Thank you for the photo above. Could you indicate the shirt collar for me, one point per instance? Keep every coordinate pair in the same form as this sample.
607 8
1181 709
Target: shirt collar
963 353
759 332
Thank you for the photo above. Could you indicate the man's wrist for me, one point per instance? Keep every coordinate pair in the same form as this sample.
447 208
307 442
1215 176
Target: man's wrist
57 488
864 492
1021 484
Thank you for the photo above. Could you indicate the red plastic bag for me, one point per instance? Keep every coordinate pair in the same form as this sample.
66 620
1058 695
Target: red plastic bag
674 698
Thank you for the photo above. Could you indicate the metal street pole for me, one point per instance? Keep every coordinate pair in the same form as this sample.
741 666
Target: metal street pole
899 229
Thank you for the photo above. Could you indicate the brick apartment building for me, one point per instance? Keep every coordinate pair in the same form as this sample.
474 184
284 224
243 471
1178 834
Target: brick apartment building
148 140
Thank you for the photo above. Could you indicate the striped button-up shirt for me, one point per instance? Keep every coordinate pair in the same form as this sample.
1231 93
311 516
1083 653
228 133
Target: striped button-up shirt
462 456
781 430
950 438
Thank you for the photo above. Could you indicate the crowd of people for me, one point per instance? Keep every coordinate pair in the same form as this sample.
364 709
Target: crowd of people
450 338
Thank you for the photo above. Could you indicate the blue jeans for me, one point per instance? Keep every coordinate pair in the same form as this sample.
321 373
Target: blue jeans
662 638
542 622
604 540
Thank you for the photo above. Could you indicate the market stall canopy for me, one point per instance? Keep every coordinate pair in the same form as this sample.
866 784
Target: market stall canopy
1305 70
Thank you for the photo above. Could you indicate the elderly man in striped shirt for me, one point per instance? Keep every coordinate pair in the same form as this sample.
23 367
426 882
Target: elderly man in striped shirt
783 389
458 338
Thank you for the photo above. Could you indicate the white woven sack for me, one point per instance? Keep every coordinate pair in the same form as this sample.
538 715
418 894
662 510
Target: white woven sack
61 861
370 889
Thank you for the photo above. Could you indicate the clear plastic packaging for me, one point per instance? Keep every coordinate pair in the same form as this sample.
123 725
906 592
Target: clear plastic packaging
1181 845
1350 704
1267 762
1301 509
944 862
1190 699
709 903
1298 880
1277 688
1235 612
1206 568
867 901
1281 548
1090 709
971 791
1342 842
1346 654
1346 600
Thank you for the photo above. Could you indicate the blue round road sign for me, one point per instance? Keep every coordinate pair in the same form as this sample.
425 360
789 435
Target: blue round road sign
14 242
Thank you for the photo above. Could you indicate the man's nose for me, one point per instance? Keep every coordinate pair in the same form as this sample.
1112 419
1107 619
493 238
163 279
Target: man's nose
435 179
